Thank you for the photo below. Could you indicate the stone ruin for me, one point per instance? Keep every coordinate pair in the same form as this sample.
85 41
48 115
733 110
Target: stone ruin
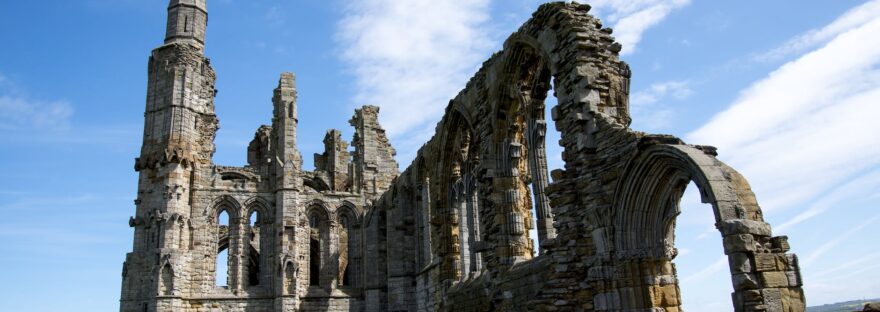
449 233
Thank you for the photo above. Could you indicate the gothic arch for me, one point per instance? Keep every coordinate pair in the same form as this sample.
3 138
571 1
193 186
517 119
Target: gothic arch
258 239
516 108
260 205
318 206
647 203
224 203
457 157
351 208
648 194
318 220
349 241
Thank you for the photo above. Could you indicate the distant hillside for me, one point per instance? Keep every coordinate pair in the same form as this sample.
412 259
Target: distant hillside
848 306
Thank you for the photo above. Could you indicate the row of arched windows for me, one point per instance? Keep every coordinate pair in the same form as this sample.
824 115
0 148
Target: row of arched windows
334 253
241 248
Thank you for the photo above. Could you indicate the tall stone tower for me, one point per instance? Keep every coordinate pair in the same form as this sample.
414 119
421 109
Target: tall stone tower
268 236
179 129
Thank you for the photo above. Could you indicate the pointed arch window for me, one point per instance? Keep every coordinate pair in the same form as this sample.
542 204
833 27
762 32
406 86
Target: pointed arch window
221 265
315 249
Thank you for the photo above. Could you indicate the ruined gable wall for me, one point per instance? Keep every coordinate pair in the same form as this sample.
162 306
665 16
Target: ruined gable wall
613 203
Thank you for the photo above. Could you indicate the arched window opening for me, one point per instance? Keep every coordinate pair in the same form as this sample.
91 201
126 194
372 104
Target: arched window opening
519 132
461 156
647 209
254 248
472 220
221 268
314 250
534 97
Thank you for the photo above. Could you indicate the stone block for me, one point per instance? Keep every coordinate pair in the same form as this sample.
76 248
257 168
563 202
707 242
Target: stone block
739 243
793 300
791 262
766 262
794 278
744 226
774 279
739 263
772 300
780 243
744 281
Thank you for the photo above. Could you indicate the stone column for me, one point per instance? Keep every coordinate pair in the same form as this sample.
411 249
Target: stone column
513 245
237 225
473 220
537 130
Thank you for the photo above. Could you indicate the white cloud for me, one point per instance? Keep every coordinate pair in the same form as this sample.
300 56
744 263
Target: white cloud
677 89
649 113
409 64
810 124
851 19
632 18
20 111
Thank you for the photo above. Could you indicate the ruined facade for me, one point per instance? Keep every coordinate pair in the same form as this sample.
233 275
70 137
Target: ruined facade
449 233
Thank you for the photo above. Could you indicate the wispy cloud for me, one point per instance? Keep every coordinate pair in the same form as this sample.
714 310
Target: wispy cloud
853 18
650 111
17 110
676 89
830 244
632 18
866 184
409 64
846 267
810 124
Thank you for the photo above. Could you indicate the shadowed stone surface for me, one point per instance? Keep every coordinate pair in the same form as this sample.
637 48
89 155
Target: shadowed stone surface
449 233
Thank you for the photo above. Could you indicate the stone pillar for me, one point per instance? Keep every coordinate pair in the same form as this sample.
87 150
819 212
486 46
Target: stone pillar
237 226
425 208
537 130
473 221
513 244
765 276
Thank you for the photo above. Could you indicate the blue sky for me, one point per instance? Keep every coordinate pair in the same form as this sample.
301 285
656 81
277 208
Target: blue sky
787 90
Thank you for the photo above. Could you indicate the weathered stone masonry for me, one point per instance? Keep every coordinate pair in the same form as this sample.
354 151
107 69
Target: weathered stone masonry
450 233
